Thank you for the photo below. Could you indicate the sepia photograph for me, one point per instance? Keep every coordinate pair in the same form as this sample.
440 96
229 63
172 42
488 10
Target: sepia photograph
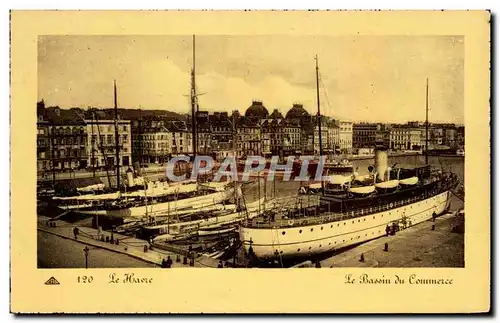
283 150
220 154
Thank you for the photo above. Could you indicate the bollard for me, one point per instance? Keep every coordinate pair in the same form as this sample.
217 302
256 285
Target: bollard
318 264
111 240
54 224
145 248
433 227
185 260
107 239
386 247
117 242
178 259
362 258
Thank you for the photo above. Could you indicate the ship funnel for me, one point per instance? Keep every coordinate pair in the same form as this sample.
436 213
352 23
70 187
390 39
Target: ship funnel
381 162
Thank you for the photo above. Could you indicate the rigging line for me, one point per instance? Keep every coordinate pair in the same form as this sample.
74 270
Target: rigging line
326 93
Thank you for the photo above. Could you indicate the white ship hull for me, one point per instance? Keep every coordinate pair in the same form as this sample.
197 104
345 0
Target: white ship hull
165 207
313 239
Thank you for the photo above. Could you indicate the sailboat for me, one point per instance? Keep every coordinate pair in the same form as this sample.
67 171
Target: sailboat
155 199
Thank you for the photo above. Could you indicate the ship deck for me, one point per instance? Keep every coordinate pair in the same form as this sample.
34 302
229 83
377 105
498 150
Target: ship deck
320 213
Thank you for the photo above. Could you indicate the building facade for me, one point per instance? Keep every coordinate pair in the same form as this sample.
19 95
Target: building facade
61 140
181 136
345 136
364 134
223 135
405 138
154 144
248 138
333 137
101 150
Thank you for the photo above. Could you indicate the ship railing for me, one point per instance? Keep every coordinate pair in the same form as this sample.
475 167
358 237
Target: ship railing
334 217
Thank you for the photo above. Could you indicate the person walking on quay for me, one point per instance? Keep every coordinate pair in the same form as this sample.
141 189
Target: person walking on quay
76 231
169 262
220 265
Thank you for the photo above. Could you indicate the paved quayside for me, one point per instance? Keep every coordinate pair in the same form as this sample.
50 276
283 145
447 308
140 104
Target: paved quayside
128 246
417 246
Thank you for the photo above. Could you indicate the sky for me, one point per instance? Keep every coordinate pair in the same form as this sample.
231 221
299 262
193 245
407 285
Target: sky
362 78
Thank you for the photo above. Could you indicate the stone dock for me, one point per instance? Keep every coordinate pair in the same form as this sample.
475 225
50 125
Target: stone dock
417 246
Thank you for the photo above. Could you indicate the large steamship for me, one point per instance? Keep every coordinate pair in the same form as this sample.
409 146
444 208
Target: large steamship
402 196
351 209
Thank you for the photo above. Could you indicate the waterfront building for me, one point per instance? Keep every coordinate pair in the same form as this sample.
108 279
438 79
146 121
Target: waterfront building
204 133
182 139
43 146
257 111
280 137
61 139
223 134
364 134
450 137
383 135
248 136
333 137
324 137
307 123
403 137
460 135
154 144
345 135
101 150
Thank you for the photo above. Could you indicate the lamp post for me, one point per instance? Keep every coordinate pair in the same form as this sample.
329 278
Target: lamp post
86 252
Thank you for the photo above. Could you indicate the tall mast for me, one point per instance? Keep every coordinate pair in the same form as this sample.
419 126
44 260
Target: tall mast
140 137
117 141
319 118
427 122
92 143
193 100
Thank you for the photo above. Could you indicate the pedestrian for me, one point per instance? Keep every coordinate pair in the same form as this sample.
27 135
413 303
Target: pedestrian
169 262
76 231
387 230
220 265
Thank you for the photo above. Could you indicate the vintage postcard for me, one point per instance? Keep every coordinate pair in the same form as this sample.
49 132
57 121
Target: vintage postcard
250 162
